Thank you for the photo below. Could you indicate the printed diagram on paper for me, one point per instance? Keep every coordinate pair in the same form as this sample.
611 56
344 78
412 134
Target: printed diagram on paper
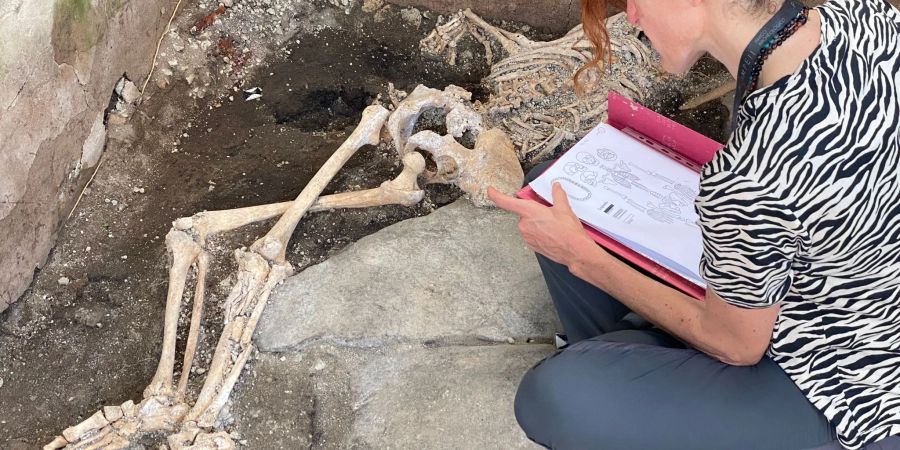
633 193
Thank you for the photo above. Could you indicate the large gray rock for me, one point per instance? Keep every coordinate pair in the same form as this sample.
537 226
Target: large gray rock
459 275
404 396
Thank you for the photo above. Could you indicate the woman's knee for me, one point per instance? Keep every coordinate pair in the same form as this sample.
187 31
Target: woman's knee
546 404
536 402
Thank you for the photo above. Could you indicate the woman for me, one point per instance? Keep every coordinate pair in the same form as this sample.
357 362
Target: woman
797 344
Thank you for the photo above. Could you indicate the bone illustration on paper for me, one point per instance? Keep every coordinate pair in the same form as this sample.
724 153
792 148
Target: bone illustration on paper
666 201
574 190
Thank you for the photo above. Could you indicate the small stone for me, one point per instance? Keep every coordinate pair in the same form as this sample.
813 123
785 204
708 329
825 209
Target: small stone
173 63
162 82
319 366
178 46
370 6
115 118
412 16
63 281
124 256
130 92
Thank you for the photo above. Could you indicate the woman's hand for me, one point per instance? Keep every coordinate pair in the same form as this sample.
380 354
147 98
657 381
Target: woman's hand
554 231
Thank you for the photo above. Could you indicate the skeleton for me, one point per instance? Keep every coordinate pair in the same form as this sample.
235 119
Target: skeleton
533 102
533 98
191 425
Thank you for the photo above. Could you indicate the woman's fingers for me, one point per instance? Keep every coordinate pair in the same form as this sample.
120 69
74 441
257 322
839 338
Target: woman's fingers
512 204
560 198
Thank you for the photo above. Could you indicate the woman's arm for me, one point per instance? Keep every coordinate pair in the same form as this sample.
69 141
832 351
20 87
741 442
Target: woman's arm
733 335
730 334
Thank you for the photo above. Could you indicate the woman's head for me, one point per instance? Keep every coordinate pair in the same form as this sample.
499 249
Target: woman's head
675 27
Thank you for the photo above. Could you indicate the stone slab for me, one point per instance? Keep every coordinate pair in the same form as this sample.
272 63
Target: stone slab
399 397
459 275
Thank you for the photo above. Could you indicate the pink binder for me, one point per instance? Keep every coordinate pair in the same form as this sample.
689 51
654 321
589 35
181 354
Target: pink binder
669 137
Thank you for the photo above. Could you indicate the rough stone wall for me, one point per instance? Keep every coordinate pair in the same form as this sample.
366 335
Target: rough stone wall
59 63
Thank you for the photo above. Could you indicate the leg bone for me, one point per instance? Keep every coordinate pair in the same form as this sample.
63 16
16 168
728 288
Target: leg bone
184 252
402 190
194 332
274 244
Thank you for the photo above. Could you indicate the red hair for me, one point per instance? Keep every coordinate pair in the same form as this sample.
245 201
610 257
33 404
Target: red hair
593 18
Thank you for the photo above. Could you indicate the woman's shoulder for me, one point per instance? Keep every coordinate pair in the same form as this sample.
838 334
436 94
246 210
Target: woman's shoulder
844 15
848 6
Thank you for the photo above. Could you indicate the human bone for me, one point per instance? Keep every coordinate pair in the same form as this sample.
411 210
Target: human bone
533 109
493 162
533 93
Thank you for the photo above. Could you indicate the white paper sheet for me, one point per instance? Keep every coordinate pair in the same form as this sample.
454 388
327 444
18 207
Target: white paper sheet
634 194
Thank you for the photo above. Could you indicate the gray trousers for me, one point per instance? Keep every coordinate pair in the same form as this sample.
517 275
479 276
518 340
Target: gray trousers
623 384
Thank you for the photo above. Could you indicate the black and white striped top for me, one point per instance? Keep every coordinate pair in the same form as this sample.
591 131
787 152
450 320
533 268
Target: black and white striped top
802 209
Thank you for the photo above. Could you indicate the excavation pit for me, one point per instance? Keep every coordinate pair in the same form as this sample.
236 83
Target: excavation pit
87 333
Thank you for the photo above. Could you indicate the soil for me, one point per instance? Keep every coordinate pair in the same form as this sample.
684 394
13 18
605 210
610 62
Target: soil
67 348
88 332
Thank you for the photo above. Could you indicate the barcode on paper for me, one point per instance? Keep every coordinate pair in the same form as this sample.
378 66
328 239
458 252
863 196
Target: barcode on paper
613 210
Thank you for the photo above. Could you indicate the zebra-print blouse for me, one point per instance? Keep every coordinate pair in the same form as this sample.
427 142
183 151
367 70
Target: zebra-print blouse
802 209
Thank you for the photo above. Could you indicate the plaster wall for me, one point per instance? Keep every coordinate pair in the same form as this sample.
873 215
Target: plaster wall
59 63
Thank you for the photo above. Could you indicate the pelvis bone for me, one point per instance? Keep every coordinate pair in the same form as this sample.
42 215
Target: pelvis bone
453 100
493 162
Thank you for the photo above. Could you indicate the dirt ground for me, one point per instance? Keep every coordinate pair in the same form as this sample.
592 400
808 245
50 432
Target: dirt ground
88 332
